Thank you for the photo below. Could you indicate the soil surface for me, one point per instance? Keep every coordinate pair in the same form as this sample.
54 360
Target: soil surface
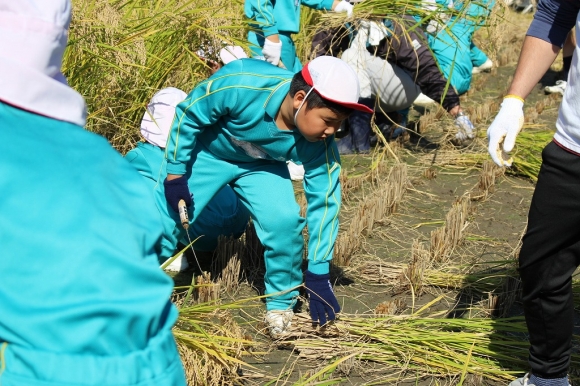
492 232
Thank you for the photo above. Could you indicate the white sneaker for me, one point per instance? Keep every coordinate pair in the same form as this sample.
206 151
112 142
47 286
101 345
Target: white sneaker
178 265
296 171
485 67
278 322
559 88
423 100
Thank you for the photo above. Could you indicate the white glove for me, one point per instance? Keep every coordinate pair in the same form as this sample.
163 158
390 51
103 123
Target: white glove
433 27
344 6
272 51
464 127
505 128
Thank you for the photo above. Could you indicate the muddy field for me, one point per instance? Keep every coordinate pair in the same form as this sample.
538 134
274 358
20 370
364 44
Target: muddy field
439 178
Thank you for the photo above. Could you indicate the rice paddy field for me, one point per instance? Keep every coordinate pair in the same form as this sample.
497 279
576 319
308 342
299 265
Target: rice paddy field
425 262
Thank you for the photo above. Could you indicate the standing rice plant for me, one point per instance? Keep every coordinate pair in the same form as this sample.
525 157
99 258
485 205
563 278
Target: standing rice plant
121 52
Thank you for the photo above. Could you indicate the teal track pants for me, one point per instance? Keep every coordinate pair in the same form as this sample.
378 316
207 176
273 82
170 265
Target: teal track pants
265 189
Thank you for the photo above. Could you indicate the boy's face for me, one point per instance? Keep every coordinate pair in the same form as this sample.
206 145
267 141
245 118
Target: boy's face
318 123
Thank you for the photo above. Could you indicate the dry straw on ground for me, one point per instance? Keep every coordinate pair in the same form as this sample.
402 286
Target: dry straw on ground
382 202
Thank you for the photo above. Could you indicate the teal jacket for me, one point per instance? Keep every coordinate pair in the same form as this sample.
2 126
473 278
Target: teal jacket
232 114
272 17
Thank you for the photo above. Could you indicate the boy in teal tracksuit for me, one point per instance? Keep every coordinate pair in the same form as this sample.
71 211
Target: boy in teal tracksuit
82 298
239 127
223 216
274 21
453 46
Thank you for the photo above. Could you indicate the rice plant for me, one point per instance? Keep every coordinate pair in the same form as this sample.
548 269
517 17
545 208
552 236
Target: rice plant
121 52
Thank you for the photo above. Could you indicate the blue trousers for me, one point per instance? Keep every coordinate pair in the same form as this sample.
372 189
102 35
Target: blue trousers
82 298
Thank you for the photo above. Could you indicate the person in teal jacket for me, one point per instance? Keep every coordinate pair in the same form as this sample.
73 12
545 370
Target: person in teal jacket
223 216
240 127
453 46
274 21
82 298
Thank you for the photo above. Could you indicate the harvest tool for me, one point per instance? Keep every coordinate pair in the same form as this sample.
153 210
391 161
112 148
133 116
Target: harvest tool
184 218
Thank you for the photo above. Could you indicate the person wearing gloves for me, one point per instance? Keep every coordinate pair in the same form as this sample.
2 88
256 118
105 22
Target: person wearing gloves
274 22
240 127
458 57
223 216
550 251
83 299
393 67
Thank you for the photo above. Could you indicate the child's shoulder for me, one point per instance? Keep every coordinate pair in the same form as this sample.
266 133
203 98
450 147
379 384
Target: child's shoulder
256 66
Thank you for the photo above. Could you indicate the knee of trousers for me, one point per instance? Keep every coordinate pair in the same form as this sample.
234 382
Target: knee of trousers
283 230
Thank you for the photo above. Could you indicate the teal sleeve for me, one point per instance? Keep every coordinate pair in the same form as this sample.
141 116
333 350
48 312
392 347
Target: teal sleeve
202 108
322 190
318 4
262 13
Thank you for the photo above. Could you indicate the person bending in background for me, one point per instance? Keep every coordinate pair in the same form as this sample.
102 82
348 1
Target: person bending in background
453 46
550 250
393 66
224 215
82 297
240 127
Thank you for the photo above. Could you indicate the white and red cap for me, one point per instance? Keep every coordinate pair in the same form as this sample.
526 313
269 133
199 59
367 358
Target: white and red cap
334 80
33 37
157 120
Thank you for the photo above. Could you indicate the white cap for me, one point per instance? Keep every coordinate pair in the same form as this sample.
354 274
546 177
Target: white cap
335 81
158 117
33 37
231 53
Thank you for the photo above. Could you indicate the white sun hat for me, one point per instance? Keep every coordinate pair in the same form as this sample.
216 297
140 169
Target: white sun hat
33 37
231 53
335 81
158 117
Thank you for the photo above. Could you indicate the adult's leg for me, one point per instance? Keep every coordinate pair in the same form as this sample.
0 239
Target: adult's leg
266 191
550 253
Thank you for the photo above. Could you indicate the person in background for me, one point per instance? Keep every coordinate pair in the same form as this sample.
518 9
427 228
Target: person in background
274 22
82 297
239 128
223 216
458 57
393 66
550 251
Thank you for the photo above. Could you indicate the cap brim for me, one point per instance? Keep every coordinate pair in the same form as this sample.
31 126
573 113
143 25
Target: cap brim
351 105
356 106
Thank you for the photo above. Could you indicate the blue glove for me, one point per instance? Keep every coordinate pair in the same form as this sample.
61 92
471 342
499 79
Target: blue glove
322 299
176 190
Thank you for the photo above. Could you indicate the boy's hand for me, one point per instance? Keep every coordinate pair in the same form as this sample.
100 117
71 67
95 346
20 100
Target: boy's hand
272 49
504 129
176 189
322 299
